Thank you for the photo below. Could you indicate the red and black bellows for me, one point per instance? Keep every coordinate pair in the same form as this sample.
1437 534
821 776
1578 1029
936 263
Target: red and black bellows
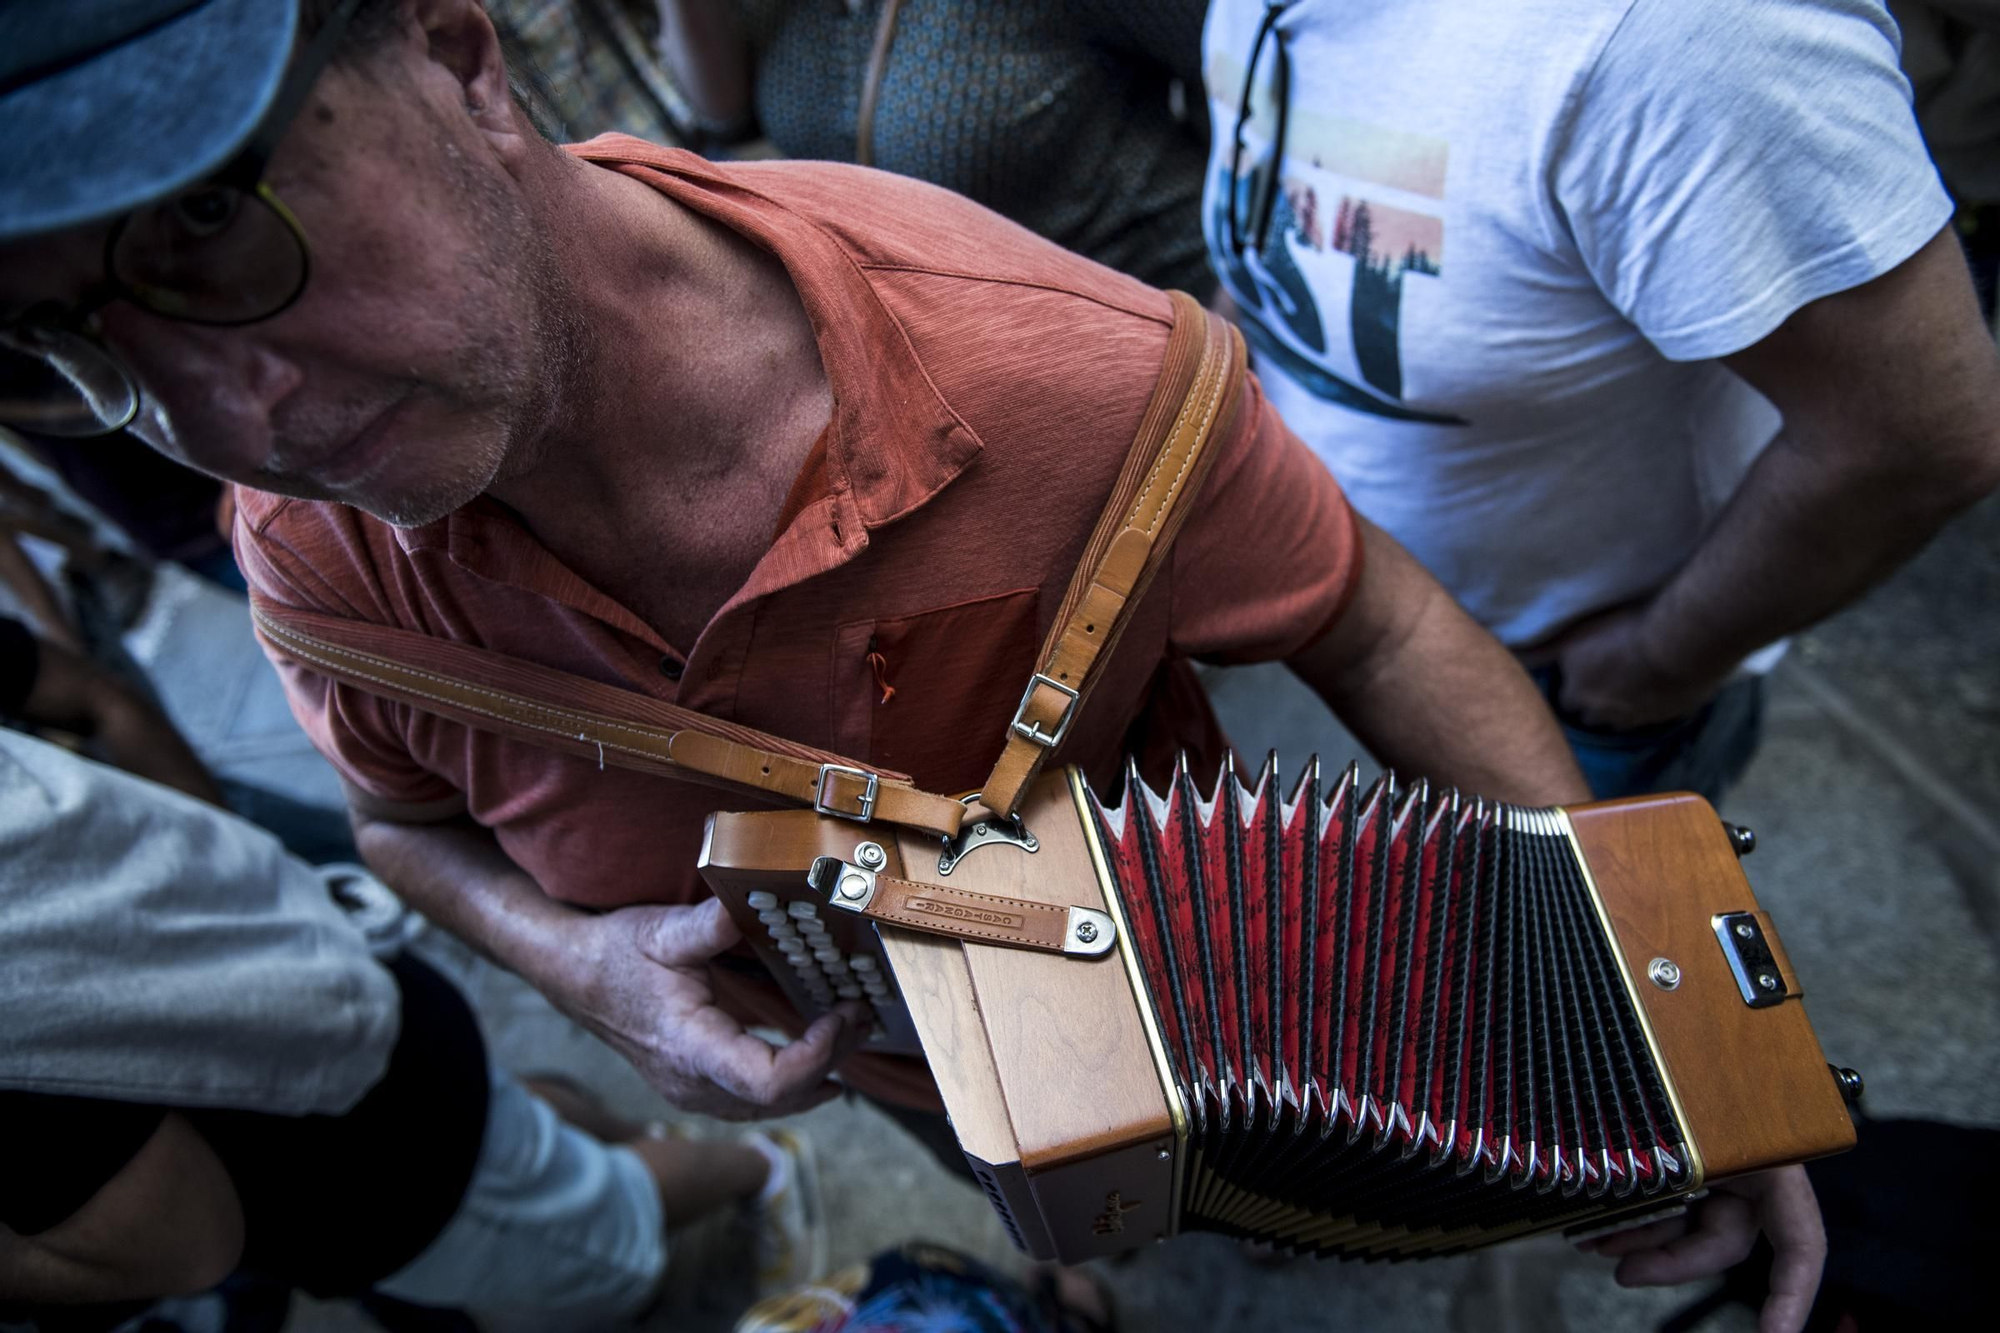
1393 1016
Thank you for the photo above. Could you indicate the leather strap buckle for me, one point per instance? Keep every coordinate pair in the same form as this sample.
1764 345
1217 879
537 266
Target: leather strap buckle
1032 730
871 786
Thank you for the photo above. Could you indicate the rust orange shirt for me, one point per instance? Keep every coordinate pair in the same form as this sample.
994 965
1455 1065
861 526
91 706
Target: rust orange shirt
986 388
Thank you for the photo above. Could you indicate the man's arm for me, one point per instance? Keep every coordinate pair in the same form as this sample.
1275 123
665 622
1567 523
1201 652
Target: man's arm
72 693
1430 692
637 977
19 575
168 1224
1891 399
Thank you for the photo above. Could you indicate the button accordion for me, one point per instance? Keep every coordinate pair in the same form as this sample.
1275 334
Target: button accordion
1382 1022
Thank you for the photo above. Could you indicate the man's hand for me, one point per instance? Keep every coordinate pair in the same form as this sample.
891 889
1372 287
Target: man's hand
1888 393
644 990
1720 1231
1612 679
637 977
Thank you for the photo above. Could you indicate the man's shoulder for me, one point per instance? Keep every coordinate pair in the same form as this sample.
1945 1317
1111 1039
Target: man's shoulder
889 225
314 554
1011 330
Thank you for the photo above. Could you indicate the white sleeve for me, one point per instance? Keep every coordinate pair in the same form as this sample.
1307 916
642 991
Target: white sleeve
1727 161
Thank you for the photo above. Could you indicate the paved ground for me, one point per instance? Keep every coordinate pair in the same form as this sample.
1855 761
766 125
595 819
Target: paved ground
1877 804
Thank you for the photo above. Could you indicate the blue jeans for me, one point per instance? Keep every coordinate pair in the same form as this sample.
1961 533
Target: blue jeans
1704 752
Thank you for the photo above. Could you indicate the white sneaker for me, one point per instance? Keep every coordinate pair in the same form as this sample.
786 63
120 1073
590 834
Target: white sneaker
790 1226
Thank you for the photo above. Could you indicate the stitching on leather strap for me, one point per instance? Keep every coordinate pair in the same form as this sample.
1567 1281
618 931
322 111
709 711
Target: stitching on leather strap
1021 903
913 919
330 655
393 684
930 925
1211 398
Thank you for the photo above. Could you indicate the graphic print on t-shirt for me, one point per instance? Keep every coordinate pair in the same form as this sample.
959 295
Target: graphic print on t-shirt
1357 219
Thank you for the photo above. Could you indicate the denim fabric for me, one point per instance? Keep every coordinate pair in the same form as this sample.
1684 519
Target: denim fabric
1704 752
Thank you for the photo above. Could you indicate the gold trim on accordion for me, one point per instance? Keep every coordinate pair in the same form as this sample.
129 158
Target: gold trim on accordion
1103 1103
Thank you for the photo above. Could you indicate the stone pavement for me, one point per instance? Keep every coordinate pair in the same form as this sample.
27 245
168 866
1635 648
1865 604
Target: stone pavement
1876 801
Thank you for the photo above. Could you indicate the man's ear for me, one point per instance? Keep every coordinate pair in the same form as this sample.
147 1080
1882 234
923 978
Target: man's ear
462 42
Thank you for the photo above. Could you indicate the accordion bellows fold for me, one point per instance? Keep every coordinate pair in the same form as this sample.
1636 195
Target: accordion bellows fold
1388 1012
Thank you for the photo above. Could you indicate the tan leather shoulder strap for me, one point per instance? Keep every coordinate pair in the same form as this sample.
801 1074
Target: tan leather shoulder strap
556 710
1192 410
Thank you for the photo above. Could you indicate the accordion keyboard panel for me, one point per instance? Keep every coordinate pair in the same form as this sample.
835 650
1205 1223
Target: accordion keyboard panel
818 956
1393 1015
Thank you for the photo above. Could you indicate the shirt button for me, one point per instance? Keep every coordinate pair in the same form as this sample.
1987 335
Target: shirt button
671 668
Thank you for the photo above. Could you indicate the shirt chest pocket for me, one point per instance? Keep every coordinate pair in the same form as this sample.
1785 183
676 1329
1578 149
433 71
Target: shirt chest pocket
930 694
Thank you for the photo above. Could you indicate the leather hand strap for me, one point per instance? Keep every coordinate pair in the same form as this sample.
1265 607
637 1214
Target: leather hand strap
978 916
1192 410
987 917
619 727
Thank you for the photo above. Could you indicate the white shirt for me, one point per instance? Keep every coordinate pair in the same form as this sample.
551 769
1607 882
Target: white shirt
1569 209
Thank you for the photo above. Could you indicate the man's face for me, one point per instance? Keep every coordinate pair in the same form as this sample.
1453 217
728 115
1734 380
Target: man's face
419 363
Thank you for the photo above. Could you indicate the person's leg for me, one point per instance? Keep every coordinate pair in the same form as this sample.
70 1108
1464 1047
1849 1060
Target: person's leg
697 1177
553 1221
767 1176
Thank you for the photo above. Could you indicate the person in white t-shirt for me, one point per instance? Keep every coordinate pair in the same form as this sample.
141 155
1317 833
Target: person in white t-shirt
1636 321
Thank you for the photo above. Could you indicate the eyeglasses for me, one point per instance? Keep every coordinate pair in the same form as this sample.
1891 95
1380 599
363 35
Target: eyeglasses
225 252
1250 209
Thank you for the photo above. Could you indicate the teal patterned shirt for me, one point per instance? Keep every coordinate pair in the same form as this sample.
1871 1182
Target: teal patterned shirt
1052 112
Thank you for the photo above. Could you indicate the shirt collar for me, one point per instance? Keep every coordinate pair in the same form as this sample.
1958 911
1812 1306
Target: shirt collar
894 443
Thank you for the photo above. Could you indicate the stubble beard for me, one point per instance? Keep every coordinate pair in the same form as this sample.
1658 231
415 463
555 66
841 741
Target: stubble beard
513 388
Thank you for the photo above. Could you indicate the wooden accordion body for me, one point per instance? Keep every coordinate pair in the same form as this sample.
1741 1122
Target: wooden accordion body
1343 1021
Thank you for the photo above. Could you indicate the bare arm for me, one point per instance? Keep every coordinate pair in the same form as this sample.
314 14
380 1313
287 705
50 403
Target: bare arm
21 577
168 1224
636 977
1891 399
72 693
1432 693
709 61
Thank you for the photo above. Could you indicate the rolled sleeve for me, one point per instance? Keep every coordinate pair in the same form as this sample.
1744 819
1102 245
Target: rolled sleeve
1725 165
1270 556
367 740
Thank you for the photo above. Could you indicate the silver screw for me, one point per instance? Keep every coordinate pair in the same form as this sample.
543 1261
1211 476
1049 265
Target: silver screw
1665 972
979 830
1166 1156
1743 931
1767 981
871 856
1086 931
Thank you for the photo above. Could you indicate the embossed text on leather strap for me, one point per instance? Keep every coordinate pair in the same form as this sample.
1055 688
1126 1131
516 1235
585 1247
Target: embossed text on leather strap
986 917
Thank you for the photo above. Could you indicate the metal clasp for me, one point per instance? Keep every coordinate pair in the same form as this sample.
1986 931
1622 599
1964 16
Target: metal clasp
1011 831
1032 730
872 783
1750 959
843 885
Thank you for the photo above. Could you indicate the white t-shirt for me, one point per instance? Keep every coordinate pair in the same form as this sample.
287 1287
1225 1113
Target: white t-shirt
1511 237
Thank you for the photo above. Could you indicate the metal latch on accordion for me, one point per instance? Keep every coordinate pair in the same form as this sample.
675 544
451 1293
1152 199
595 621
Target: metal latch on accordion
1085 932
1758 977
